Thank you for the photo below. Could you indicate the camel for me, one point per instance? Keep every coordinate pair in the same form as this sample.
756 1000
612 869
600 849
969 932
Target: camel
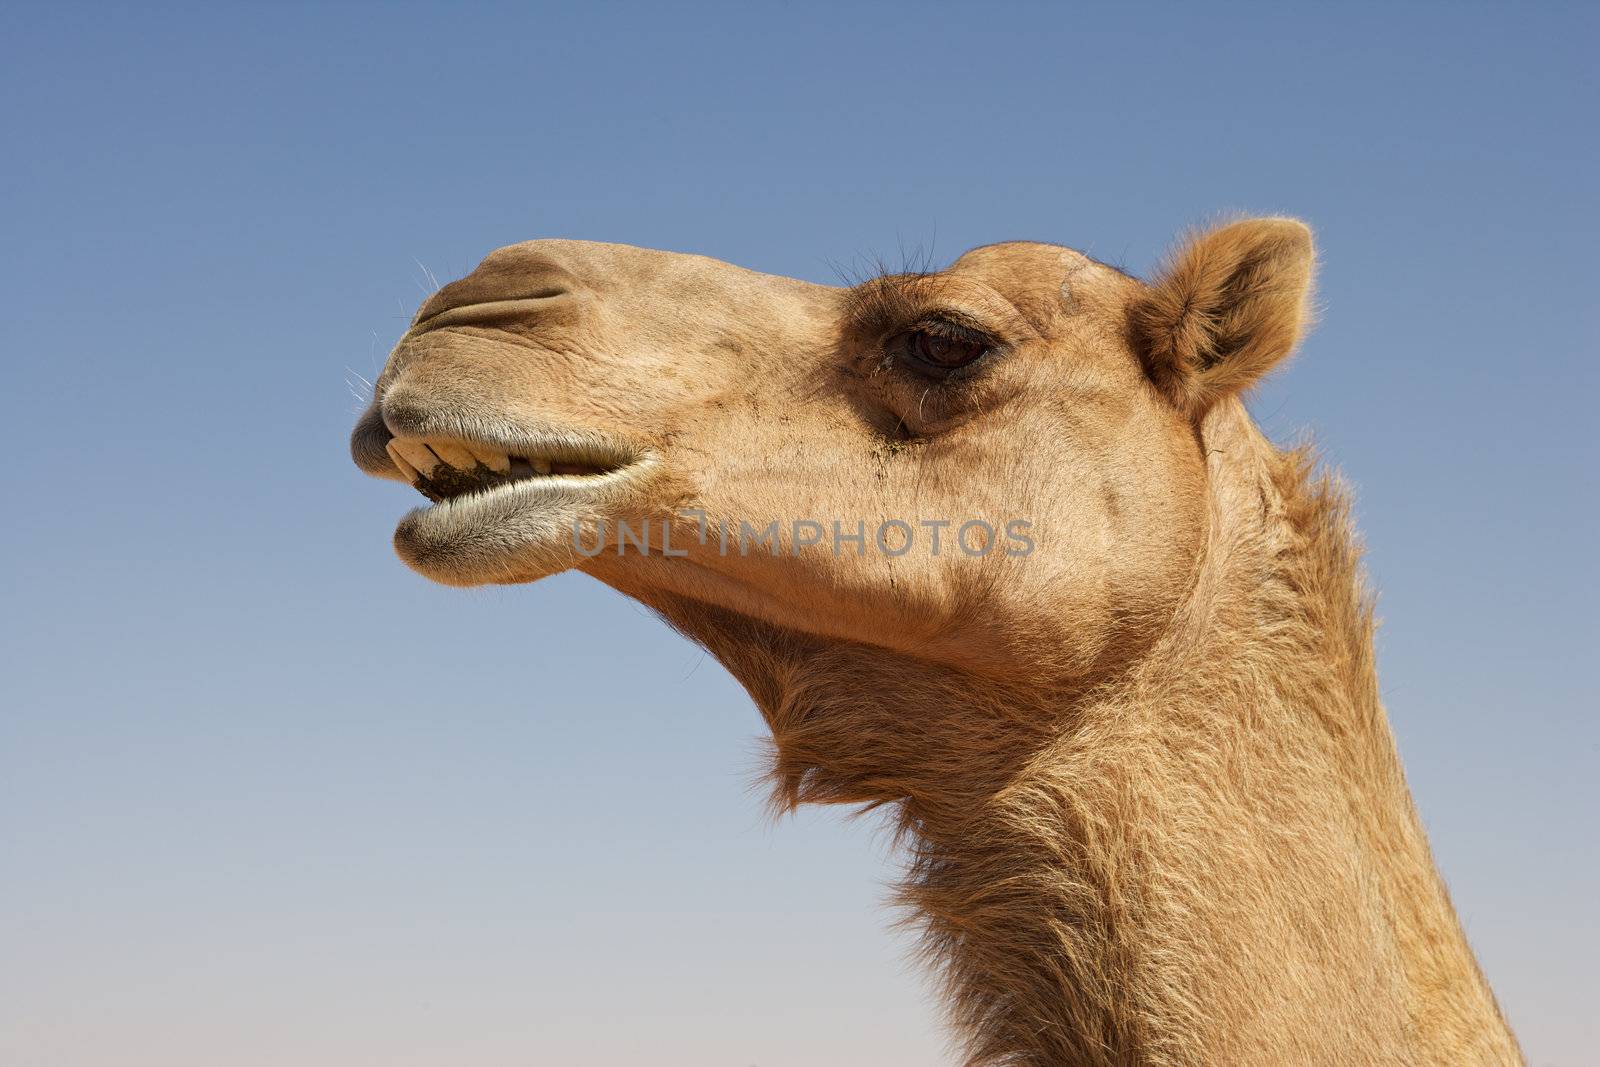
998 550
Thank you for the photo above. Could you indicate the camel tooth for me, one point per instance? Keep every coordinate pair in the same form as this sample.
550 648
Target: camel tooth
540 466
455 455
417 454
402 463
492 458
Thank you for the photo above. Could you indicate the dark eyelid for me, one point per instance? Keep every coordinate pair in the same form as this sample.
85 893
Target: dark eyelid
891 304
954 325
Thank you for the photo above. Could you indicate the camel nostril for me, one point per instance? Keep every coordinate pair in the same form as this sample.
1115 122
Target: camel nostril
503 281
447 308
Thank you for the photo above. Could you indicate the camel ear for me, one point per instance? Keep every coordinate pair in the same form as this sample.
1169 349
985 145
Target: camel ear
1228 307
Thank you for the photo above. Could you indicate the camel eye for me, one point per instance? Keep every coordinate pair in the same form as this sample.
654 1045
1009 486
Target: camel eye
940 352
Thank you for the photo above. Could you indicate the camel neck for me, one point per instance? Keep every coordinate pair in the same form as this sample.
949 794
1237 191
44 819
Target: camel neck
1211 857
1215 860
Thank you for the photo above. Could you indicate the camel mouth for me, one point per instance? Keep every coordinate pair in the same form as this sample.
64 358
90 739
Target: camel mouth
503 512
448 469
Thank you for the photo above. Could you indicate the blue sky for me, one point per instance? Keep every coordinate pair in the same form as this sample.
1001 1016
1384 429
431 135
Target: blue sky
267 797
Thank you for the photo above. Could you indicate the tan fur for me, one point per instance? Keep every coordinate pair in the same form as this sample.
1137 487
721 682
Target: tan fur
1151 804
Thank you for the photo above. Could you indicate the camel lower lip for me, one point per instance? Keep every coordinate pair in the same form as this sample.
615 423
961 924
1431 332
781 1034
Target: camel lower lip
514 532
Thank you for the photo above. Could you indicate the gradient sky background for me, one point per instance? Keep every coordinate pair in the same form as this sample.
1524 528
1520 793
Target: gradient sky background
268 798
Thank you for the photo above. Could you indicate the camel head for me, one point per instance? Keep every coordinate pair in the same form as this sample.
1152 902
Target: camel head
998 548
994 467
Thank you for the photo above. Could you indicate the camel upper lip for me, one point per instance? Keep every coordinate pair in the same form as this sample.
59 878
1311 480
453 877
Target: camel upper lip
445 468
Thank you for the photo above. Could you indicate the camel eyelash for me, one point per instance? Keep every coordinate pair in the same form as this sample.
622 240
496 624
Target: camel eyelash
879 317
954 326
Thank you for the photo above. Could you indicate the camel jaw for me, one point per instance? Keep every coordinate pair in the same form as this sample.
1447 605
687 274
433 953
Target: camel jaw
511 512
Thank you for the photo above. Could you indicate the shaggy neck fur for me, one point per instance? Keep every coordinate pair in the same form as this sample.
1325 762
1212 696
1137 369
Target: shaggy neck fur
1211 857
